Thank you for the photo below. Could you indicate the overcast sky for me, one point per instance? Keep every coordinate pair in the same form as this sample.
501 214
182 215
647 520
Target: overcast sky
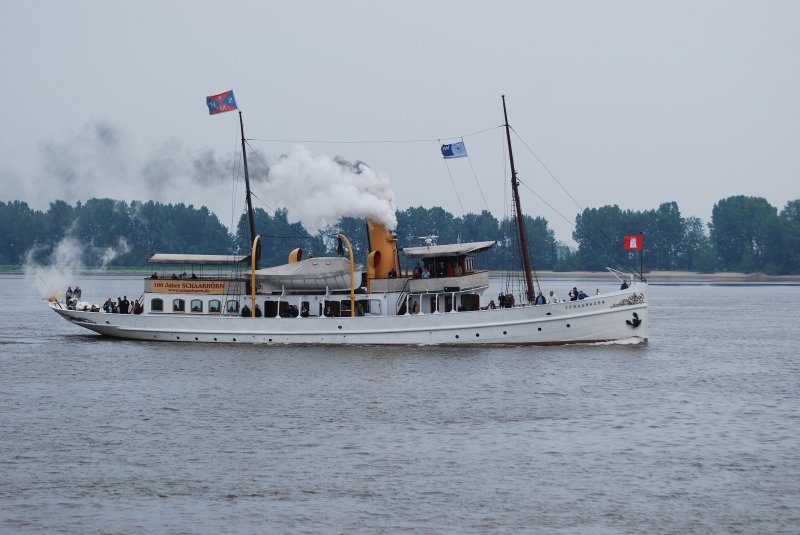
631 103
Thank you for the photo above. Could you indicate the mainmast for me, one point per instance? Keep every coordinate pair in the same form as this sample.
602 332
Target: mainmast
250 218
520 221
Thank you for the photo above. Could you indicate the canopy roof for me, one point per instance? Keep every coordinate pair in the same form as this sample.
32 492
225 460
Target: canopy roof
197 259
316 273
453 249
315 267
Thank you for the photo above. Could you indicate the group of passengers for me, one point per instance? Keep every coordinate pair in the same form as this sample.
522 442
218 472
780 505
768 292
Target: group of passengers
438 269
122 306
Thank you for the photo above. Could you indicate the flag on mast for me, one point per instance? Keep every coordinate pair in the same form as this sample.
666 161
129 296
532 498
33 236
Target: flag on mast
221 103
454 150
633 243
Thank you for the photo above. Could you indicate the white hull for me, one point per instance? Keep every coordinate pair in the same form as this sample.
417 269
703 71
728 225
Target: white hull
606 317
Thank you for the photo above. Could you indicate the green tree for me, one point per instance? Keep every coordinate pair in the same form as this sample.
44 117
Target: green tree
744 231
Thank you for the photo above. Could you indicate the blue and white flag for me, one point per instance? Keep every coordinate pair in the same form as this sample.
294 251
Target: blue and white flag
454 150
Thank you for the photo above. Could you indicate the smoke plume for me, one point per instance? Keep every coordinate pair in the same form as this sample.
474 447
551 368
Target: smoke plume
318 190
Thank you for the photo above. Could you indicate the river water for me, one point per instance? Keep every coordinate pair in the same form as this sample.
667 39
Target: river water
696 431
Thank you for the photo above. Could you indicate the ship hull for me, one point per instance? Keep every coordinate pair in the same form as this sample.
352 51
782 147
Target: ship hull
616 316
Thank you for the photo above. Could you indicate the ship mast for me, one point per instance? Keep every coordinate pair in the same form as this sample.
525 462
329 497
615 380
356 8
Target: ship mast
250 217
520 221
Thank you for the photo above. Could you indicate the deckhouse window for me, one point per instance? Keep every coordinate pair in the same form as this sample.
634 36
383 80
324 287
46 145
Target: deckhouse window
157 305
214 306
178 305
232 307
197 305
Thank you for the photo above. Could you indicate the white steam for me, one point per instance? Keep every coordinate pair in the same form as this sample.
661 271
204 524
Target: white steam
318 190
65 264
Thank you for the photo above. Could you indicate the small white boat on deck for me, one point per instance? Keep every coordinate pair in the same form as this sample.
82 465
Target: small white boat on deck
331 300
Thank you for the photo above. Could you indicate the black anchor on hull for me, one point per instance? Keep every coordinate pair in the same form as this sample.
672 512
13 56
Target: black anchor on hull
635 322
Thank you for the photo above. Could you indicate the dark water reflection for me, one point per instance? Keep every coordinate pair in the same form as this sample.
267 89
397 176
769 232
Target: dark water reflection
694 432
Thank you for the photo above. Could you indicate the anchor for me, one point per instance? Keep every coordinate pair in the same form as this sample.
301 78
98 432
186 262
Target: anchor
635 322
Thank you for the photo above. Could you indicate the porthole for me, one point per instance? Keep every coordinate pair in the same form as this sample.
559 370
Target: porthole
477 335
567 325
456 336
234 339
215 339
340 326
540 328
504 332
195 339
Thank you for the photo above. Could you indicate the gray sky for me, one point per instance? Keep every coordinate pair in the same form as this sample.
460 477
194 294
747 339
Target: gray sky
634 103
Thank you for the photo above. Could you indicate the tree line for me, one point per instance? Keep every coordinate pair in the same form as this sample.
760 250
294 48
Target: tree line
745 234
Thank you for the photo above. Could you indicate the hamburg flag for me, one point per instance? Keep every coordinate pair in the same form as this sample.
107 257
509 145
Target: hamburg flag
454 150
221 103
633 243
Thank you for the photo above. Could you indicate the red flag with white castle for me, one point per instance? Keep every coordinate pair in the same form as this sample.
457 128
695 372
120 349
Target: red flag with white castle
633 243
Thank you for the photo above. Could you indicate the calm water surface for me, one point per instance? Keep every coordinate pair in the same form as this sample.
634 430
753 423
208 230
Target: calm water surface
694 432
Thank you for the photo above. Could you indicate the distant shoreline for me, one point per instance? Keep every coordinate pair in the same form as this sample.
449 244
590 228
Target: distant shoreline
653 276
677 276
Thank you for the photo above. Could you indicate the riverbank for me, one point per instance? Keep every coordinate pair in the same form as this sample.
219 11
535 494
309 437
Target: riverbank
653 276
677 276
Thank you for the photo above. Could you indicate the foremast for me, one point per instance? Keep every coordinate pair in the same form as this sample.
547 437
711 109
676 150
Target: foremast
250 217
526 260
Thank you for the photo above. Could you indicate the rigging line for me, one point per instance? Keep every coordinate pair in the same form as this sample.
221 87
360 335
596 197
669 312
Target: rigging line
582 209
476 181
370 141
474 133
548 204
546 169
453 182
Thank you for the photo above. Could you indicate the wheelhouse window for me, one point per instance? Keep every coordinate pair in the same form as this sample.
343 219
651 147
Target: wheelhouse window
214 306
178 305
197 305
232 307
157 305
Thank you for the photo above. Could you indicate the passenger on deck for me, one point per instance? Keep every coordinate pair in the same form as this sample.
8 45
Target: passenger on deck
582 295
540 300
425 273
258 311
492 306
573 294
392 274
458 270
174 277
450 271
440 270
553 298
417 272
246 311
154 276
68 295
194 276
624 285
510 300
501 298
328 312
124 305
304 311
137 307
108 306
76 293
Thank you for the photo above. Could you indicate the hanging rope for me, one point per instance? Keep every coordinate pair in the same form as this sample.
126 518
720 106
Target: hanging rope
453 182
